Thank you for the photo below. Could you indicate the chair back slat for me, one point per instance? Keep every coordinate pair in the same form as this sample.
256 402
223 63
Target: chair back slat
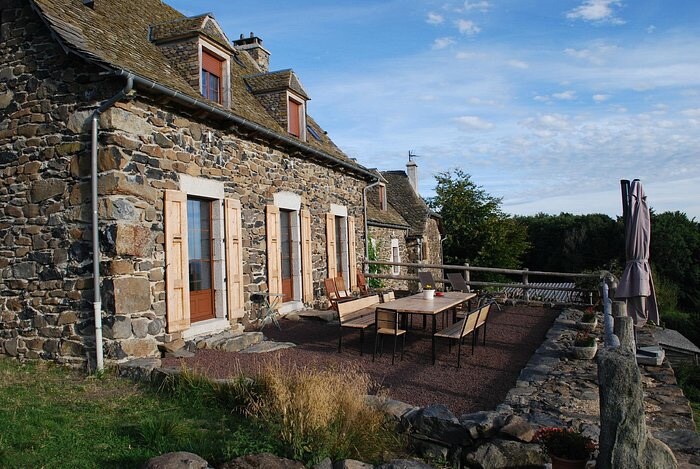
457 281
362 282
386 318
426 278
340 287
484 313
331 291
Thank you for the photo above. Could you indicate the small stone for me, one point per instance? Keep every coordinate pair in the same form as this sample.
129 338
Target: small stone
177 460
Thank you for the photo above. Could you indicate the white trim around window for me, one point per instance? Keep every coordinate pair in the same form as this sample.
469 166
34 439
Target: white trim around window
225 57
395 256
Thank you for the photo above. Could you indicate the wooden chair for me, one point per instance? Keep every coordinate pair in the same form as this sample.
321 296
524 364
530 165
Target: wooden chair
362 283
483 317
386 322
426 280
343 292
459 330
332 293
458 283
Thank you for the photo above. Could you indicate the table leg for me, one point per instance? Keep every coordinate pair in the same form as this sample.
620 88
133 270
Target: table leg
433 336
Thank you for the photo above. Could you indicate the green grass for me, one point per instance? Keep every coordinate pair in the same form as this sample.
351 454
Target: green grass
688 378
54 417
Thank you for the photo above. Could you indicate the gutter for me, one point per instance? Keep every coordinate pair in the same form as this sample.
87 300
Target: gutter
200 104
97 295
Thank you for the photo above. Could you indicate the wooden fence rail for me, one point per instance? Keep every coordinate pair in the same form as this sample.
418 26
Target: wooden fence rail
526 286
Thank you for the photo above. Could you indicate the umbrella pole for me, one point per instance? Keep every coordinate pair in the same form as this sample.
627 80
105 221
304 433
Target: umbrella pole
625 189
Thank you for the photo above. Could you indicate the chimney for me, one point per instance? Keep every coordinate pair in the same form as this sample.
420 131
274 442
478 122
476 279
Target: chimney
253 46
412 171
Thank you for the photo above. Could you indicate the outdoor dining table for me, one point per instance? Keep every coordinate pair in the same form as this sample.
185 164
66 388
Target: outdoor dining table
417 304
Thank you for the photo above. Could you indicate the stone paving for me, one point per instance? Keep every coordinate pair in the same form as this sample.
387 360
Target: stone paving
557 390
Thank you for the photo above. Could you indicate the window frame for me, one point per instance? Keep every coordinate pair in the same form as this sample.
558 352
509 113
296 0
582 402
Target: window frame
395 269
210 49
301 115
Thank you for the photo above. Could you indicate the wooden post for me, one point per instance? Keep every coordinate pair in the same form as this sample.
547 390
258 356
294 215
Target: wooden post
467 277
526 290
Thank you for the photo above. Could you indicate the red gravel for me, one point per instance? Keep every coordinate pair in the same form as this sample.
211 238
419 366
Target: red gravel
480 384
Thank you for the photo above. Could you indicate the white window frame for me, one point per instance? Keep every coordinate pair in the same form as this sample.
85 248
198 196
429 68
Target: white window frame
290 201
213 190
341 211
225 57
395 269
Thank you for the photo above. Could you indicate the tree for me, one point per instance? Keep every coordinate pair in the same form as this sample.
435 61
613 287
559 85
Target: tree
478 232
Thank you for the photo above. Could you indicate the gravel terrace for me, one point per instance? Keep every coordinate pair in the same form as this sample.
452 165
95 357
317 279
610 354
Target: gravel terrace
481 383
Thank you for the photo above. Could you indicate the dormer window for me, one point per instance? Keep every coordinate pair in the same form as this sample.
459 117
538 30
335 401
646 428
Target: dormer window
296 118
211 77
382 197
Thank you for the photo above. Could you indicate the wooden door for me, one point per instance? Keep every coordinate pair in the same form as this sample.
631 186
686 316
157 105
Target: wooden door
199 237
287 255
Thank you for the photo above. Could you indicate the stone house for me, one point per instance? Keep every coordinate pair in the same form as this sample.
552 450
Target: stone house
206 178
401 227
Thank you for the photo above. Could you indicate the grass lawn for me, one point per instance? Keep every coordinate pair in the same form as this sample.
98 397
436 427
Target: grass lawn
54 417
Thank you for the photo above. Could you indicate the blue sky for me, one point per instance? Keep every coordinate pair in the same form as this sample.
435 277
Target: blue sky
547 104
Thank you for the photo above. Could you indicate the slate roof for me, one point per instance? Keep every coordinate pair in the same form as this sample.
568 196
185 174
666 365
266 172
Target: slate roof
674 340
407 203
376 216
188 26
115 34
276 81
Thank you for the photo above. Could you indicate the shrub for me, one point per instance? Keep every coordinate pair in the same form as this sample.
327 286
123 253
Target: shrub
322 413
583 339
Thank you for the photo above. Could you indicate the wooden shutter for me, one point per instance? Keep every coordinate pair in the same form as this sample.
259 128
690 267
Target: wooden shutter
211 63
234 258
330 245
352 253
294 118
307 278
176 268
274 251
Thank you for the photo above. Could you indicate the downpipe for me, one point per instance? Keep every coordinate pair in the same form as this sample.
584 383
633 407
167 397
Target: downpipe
97 295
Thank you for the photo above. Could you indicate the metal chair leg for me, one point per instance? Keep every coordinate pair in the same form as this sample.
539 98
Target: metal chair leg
403 345
340 339
376 340
393 352
362 340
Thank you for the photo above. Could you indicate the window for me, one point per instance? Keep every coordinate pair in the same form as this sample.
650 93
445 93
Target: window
395 257
199 237
296 117
211 77
382 197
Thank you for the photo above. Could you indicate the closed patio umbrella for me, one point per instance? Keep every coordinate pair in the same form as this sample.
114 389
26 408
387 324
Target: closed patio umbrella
636 285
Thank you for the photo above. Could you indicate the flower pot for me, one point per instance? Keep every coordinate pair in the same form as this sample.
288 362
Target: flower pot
563 463
587 326
585 353
428 294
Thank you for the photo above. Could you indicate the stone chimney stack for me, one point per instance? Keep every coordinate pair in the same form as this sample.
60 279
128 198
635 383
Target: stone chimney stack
412 171
253 46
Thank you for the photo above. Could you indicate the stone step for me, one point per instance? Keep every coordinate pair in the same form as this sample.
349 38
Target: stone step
240 342
268 346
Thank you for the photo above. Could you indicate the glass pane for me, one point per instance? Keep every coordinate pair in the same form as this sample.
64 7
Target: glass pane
199 244
286 243
339 243
214 88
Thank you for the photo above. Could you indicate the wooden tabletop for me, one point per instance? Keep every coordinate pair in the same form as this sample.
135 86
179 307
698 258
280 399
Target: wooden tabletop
419 305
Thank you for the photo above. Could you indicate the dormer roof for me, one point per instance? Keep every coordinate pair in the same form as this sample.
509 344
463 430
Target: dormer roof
276 81
179 28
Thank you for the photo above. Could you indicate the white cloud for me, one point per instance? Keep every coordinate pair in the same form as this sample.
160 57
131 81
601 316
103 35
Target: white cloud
442 42
467 27
651 28
596 11
473 123
518 64
482 6
542 99
435 18
691 112
463 55
597 54
567 95
599 98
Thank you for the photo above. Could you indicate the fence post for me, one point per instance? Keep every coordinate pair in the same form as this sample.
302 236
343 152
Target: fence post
526 290
467 277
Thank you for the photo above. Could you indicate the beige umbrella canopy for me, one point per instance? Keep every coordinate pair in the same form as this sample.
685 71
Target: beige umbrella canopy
636 285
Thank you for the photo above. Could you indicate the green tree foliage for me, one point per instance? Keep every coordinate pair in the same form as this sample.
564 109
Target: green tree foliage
477 230
675 254
573 243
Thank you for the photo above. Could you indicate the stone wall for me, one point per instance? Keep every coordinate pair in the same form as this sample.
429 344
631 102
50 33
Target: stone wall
383 237
184 56
46 100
